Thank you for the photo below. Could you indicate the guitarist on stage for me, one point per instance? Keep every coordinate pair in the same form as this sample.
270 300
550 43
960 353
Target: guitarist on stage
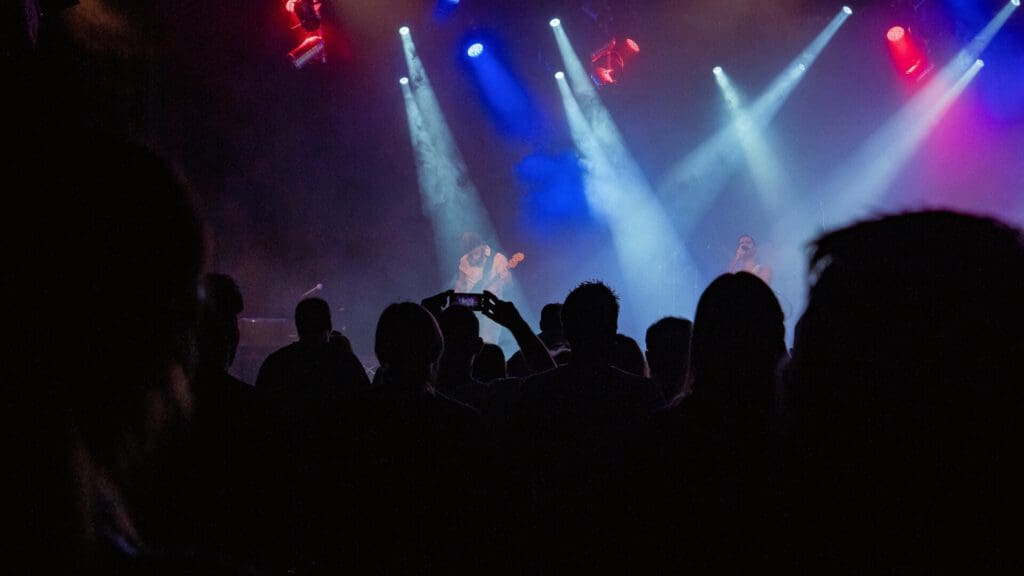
482 268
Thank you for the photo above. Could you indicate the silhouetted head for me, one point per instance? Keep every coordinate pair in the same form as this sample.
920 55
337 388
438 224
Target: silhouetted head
313 320
111 248
915 316
738 341
489 364
668 347
408 345
590 320
461 330
117 263
551 319
628 356
221 303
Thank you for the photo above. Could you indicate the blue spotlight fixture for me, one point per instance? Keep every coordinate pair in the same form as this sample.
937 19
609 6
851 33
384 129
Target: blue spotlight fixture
717 70
848 10
559 75
555 22
403 80
404 30
475 49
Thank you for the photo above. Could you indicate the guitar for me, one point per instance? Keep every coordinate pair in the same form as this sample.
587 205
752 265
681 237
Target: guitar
502 277
516 259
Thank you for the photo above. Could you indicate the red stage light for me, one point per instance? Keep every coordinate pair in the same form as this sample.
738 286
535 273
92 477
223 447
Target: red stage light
609 61
305 14
604 75
311 48
907 54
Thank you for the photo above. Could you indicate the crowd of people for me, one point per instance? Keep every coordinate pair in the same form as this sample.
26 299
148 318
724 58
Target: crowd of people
882 441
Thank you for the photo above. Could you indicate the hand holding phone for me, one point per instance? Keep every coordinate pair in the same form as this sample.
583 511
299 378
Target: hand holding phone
501 311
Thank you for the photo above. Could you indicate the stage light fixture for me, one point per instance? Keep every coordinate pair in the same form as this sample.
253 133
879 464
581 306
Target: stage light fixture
311 48
307 12
907 55
559 75
608 62
403 80
555 22
848 10
717 70
404 30
1015 2
475 50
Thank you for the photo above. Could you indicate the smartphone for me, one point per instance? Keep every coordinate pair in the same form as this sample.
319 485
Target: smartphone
471 301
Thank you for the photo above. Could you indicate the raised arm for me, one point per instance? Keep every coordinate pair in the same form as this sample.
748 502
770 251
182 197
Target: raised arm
505 313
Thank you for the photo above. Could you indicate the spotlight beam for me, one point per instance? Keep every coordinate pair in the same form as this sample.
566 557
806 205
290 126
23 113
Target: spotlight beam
863 180
982 39
855 188
436 174
772 99
692 184
644 240
449 184
449 197
761 159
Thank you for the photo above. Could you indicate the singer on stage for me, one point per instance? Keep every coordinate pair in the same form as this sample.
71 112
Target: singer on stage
746 260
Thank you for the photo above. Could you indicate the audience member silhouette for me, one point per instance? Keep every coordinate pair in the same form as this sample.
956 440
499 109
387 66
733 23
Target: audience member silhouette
460 360
417 467
319 366
550 334
106 309
668 354
714 442
217 454
489 364
904 392
628 356
578 424
308 391
891 434
462 343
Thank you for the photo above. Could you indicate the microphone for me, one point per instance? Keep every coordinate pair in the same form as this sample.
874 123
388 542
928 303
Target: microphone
313 289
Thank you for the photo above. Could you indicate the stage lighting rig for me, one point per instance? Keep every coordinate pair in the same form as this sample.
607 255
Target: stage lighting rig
616 19
307 12
909 54
306 16
607 63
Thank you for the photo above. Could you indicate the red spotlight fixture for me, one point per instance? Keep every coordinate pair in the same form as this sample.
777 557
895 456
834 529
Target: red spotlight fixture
609 61
311 48
907 53
305 15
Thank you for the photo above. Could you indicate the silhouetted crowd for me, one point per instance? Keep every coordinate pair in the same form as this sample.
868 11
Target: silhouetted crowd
885 440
